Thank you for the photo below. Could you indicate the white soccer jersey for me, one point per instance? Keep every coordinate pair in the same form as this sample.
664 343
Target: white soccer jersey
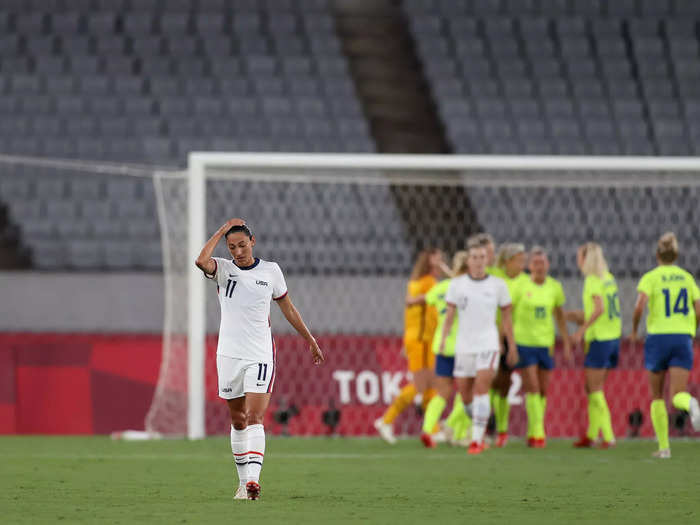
244 297
477 302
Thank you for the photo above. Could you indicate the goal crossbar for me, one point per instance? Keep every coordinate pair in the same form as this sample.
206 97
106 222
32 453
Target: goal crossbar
629 170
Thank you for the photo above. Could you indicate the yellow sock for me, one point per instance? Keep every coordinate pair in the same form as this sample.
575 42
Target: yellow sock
457 409
682 401
659 418
543 412
401 401
593 418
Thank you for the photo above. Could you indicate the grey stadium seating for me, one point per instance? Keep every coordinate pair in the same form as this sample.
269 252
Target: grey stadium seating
148 81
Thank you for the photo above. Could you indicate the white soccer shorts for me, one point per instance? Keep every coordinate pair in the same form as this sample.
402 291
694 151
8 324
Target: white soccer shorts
238 376
467 365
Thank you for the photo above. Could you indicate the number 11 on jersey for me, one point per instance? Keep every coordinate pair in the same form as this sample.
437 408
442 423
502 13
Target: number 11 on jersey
229 288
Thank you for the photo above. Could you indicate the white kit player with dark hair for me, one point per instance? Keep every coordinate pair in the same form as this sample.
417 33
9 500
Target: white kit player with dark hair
245 355
478 296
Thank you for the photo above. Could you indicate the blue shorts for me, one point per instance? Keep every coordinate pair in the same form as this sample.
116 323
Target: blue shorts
444 366
602 354
662 351
535 355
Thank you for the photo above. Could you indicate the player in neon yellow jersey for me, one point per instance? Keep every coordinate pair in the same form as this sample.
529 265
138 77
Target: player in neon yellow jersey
600 329
537 303
674 310
511 263
458 421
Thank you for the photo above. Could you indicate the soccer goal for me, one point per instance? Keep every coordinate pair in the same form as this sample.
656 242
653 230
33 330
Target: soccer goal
346 229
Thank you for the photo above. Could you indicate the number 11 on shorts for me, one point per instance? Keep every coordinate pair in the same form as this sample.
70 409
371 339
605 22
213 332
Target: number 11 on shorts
262 371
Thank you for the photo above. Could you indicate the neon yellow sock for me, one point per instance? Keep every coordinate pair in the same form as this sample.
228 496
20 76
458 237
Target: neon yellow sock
533 407
682 401
492 395
659 418
457 411
502 425
496 407
543 411
593 418
604 420
433 412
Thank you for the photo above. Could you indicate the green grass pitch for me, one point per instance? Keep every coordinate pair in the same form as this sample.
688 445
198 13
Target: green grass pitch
96 480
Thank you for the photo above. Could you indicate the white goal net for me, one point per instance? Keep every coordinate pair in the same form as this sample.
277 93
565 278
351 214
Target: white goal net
346 229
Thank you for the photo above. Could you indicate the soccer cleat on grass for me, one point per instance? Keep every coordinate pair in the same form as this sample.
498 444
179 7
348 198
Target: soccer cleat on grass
502 439
539 443
584 442
476 448
439 437
604 445
531 442
253 490
241 493
447 431
695 414
385 431
664 453
427 440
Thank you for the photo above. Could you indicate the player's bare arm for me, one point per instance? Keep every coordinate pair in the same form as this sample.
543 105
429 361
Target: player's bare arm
642 300
446 327
204 261
512 356
294 317
415 299
574 316
598 310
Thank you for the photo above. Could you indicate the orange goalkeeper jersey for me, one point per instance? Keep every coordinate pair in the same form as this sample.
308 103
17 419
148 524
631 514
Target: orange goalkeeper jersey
420 321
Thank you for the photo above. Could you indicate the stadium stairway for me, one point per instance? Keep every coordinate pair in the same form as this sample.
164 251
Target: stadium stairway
389 77
12 253
397 101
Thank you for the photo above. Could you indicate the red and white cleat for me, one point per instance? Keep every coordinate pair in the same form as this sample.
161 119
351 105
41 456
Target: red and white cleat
502 439
584 442
540 443
427 440
604 445
476 448
253 490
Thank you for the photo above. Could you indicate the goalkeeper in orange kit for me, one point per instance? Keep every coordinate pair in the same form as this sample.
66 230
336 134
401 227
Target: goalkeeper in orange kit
419 326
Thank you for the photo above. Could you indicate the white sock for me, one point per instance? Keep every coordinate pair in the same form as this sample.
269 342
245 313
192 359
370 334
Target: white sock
482 410
239 447
256 451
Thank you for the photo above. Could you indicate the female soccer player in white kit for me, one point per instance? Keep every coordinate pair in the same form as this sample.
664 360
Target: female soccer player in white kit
245 355
478 296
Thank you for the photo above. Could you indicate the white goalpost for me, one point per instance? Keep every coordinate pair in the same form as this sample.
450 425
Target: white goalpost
491 186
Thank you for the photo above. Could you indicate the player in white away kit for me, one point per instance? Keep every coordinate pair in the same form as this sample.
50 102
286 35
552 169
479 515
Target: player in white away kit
245 355
478 296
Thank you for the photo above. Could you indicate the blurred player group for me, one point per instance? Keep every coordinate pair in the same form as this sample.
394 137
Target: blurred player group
464 335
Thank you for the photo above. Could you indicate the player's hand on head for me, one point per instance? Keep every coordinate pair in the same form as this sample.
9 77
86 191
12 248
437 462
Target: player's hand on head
316 353
234 222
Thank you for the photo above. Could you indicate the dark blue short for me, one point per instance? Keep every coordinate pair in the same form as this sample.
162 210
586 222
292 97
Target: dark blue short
602 354
444 366
662 351
535 355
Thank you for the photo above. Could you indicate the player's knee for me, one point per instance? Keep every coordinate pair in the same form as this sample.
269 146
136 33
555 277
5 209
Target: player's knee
239 419
255 418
